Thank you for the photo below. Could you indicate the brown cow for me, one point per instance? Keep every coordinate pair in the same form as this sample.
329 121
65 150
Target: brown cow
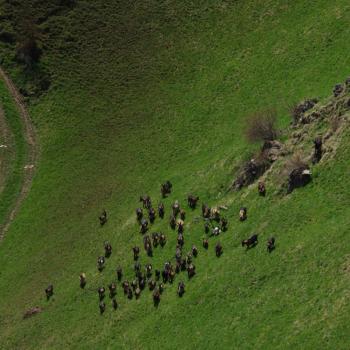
261 188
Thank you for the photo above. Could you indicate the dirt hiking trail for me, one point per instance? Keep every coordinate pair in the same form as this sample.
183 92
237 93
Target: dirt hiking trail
32 153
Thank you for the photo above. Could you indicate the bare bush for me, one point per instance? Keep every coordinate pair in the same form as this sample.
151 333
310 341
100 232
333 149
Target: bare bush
295 162
261 126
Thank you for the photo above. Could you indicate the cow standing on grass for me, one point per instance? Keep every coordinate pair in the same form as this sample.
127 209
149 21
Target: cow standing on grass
146 201
108 249
270 244
136 251
250 242
103 217
101 263
165 188
139 214
218 250
181 289
192 201
101 293
119 273
161 210
156 297
102 307
143 226
82 280
261 188
205 243
243 214
49 291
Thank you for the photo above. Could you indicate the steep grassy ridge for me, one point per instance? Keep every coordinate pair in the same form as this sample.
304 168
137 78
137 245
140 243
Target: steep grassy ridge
150 91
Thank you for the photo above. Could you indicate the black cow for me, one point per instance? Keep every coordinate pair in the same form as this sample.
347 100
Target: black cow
192 201
151 215
250 242
162 240
101 263
146 201
137 292
298 177
103 217
180 239
143 226
108 249
218 249
181 289
112 289
317 150
172 222
180 226
151 285
148 269
136 251
119 273
148 245
270 244
194 251
161 210
165 188
139 214
49 291
155 239
175 208
102 307
191 270
156 297
206 211
205 243
101 292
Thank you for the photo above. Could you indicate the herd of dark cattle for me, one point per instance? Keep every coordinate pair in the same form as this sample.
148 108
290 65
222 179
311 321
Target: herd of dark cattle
214 224
155 279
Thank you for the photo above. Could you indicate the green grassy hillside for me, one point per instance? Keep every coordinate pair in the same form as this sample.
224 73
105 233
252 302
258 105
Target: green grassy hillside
142 92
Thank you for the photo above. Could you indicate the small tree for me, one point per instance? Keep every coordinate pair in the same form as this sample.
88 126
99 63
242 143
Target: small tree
27 48
261 126
28 51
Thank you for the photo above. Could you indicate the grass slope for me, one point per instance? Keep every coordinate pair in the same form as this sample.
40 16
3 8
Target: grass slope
147 91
